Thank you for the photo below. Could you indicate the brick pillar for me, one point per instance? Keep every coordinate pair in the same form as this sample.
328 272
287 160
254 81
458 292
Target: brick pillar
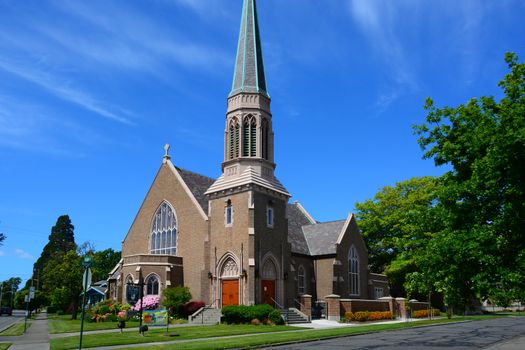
402 307
306 304
333 307
391 305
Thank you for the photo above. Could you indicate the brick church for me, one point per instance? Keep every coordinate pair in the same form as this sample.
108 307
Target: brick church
237 239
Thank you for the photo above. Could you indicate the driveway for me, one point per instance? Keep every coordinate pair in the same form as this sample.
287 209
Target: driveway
504 333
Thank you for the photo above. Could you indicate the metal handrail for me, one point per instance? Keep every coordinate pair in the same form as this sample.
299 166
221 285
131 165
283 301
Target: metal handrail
281 308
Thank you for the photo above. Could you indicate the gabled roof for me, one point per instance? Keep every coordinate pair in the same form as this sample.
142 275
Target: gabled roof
322 237
198 184
249 69
297 218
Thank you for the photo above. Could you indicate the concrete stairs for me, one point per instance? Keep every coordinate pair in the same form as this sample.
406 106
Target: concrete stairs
294 316
206 315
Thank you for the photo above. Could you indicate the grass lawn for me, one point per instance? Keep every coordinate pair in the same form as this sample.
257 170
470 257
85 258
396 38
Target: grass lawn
15 329
264 339
159 335
64 324
4 346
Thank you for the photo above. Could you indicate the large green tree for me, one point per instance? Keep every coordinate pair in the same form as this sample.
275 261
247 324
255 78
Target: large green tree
481 252
103 262
396 225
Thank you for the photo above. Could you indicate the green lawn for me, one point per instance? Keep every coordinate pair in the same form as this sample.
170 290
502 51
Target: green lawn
15 329
64 324
4 346
159 335
243 342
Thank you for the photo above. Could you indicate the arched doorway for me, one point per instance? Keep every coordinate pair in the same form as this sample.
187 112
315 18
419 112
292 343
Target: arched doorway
269 275
230 283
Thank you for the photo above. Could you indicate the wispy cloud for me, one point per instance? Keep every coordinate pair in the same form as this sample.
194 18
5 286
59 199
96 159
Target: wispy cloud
22 254
62 90
378 20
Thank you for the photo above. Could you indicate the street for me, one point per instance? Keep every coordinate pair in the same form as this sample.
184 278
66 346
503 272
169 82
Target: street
6 321
469 335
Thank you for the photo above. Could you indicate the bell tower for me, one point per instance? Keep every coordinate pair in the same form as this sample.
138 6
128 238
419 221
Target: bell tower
248 240
248 134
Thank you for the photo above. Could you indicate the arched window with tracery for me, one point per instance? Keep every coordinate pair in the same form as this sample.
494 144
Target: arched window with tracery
249 127
152 285
234 138
300 280
230 269
353 271
164 231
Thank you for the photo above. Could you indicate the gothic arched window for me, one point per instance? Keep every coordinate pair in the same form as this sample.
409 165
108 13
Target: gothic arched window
265 135
152 285
249 127
300 280
353 271
234 138
164 231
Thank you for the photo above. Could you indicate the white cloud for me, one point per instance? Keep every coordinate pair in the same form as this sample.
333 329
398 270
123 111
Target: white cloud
23 254
63 90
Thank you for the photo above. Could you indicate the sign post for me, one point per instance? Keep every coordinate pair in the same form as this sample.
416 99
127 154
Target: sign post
87 263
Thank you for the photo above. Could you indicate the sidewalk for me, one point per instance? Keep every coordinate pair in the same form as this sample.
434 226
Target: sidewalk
35 338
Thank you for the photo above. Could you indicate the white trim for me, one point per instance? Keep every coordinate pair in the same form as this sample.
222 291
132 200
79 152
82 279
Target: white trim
345 227
151 264
308 216
187 189
116 267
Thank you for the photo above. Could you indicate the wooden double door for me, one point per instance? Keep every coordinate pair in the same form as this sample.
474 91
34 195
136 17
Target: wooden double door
230 292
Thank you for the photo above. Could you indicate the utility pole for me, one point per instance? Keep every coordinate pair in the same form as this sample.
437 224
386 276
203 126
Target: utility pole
28 299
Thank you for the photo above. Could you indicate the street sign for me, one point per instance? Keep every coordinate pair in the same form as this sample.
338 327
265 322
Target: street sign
31 292
26 299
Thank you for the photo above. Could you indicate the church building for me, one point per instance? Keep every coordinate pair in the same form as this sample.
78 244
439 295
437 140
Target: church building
238 239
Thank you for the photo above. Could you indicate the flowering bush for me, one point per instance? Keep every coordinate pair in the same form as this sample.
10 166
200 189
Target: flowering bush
362 316
122 315
191 307
424 313
149 302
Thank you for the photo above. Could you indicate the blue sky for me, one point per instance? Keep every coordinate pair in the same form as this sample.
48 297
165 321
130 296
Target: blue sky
90 91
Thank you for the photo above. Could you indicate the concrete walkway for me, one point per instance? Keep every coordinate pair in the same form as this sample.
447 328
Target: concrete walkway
35 338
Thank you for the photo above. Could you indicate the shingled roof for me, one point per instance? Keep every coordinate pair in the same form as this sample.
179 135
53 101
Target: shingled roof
198 184
322 237
296 220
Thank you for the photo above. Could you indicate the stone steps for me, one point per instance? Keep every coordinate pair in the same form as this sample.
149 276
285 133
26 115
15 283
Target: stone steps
294 316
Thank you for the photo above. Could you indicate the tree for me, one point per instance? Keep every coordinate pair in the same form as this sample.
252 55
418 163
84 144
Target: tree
62 279
483 141
10 286
103 262
396 225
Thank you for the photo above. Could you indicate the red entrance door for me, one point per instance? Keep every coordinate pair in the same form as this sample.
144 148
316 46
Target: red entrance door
230 292
268 292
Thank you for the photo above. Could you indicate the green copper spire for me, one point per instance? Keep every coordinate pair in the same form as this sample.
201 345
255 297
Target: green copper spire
249 69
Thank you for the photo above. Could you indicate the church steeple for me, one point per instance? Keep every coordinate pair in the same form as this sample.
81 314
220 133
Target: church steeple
248 136
248 75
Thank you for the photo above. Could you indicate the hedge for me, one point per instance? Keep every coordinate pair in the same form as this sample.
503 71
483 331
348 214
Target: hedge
363 316
424 313
245 314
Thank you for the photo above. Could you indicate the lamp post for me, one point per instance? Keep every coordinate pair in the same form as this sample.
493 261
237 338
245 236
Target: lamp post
87 263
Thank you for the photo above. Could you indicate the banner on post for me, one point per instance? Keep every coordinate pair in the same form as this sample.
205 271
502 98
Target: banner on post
155 317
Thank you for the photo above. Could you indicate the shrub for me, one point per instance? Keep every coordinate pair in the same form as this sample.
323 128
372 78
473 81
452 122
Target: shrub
255 322
349 316
51 309
175 298
244 314
149 302
361 316
424 313
191 307
276 317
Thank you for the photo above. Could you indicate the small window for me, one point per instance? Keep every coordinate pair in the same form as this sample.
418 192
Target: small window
269 216
378 292
353 271
152 285
228 213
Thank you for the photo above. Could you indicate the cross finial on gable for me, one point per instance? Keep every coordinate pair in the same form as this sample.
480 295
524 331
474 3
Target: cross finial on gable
166 155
